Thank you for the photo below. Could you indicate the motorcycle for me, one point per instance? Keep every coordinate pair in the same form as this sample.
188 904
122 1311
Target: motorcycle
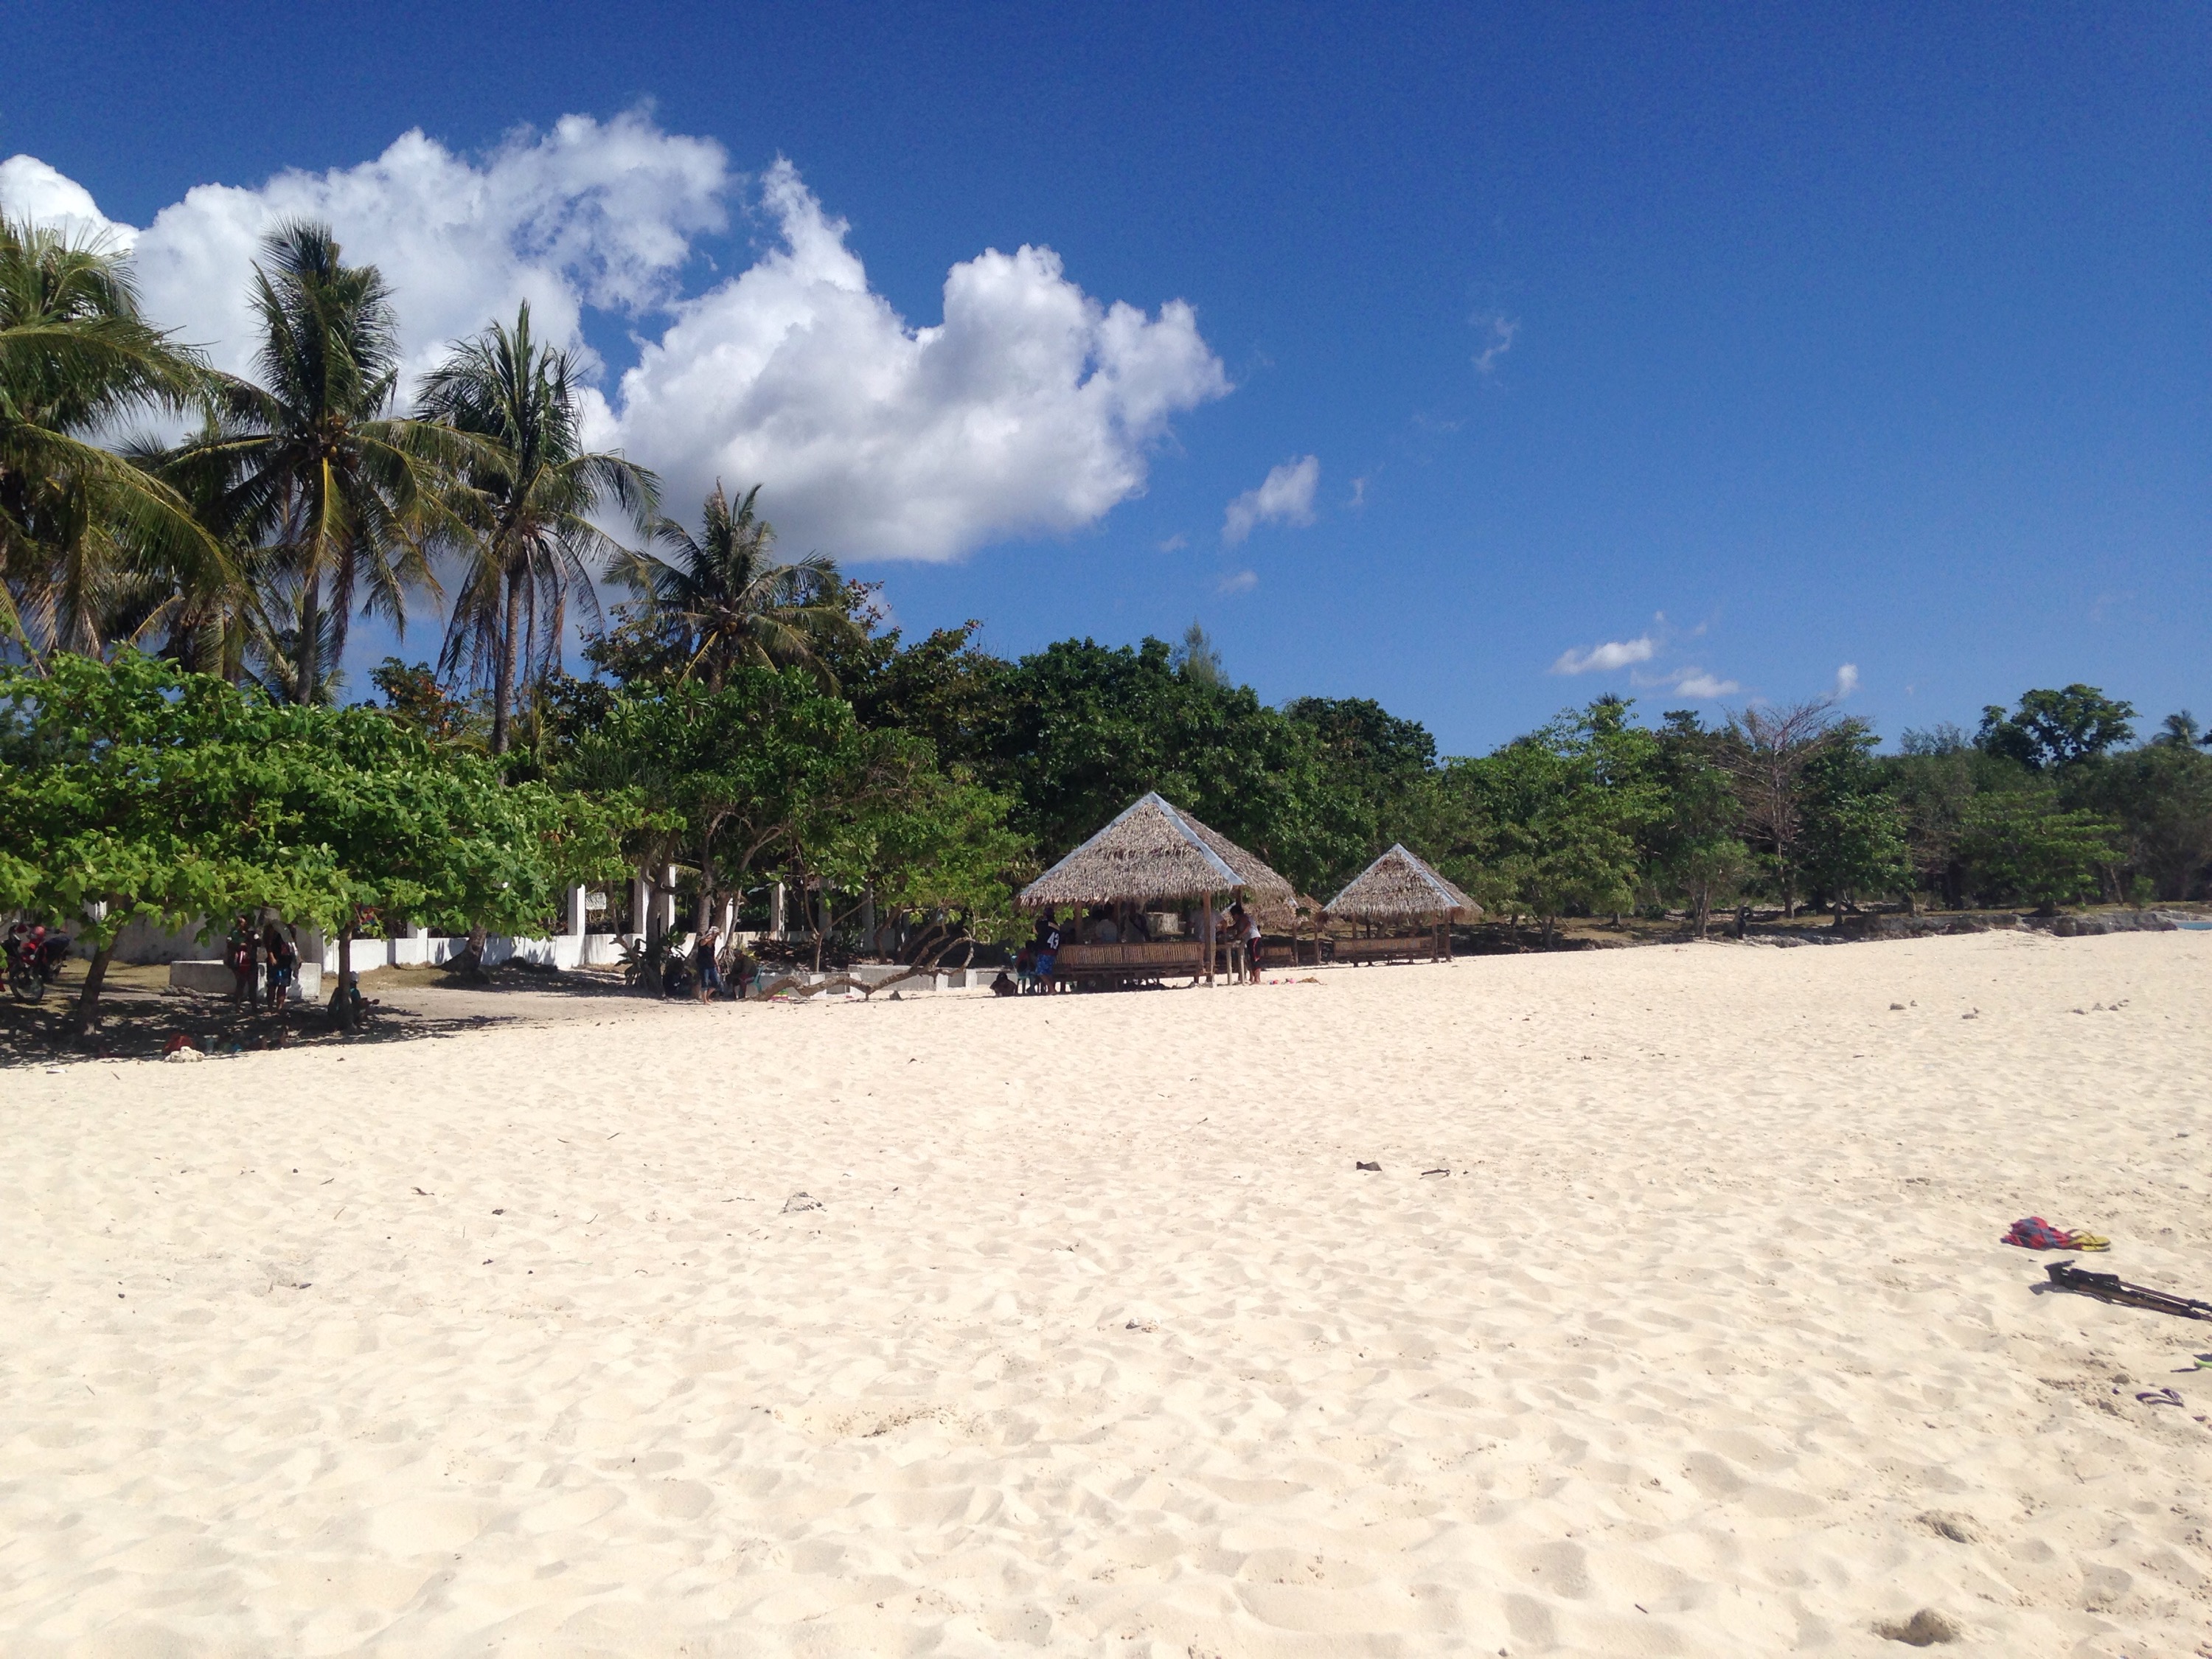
34 961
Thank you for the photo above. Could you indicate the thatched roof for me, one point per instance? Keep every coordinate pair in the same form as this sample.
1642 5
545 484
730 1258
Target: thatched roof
1398 887
1154 854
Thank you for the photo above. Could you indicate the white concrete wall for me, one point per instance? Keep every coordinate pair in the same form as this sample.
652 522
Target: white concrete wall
560 951
145 941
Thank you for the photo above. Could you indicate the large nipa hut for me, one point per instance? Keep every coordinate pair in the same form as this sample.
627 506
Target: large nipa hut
1407 907
1154 856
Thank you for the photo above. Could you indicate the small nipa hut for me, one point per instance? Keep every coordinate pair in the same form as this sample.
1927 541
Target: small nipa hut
1407 906
1153 856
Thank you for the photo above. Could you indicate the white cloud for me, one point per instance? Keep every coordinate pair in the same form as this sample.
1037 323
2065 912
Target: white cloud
1031 408
1285 496
1703 687
1358 492
1613 653
1498 333
599 214
1174 543
1242 581
1847 680
29 189
1689 679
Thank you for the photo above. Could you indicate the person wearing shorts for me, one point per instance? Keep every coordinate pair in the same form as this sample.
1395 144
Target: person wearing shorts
277 975
1047 950
707 974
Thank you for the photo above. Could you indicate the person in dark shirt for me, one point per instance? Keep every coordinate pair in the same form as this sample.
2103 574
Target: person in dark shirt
238 951
1047 950
276 975
706 972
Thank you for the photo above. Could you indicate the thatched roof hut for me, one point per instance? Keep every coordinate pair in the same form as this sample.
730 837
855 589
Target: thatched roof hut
1400 887
1154 854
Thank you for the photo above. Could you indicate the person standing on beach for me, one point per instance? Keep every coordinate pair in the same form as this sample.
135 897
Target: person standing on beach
1247 930
283 955
238 950
705 974
1047 950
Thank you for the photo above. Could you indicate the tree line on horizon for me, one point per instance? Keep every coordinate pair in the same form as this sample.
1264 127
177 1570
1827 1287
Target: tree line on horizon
173 742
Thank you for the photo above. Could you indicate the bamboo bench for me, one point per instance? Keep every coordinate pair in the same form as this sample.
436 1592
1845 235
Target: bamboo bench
1409 947
1136 961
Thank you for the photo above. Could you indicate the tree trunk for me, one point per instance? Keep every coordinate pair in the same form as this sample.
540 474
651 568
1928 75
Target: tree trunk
705 884
473 956
1548 931
86 1020
509 643
311 629
344 1000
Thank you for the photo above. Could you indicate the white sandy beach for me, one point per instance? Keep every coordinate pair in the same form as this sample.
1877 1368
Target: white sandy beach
504 1343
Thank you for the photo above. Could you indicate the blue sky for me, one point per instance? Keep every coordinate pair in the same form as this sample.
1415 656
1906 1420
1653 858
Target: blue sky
1747 344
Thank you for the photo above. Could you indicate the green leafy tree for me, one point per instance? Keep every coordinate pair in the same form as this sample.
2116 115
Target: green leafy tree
524 522
1088 728
2022 844
725 775
1854 842
2160 798
1768 750
892 829
83 533
1547 826
1198 660
943 686
310 464
1370 772
1935 783
948 857
1694 850
2055 729
133 792
407 827
726 600
2180 729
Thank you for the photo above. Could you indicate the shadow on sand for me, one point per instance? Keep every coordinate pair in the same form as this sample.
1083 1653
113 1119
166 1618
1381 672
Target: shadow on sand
140 1014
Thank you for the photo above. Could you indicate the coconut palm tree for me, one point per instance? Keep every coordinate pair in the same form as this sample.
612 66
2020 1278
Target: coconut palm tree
730 599
81 527
310 465
525 530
